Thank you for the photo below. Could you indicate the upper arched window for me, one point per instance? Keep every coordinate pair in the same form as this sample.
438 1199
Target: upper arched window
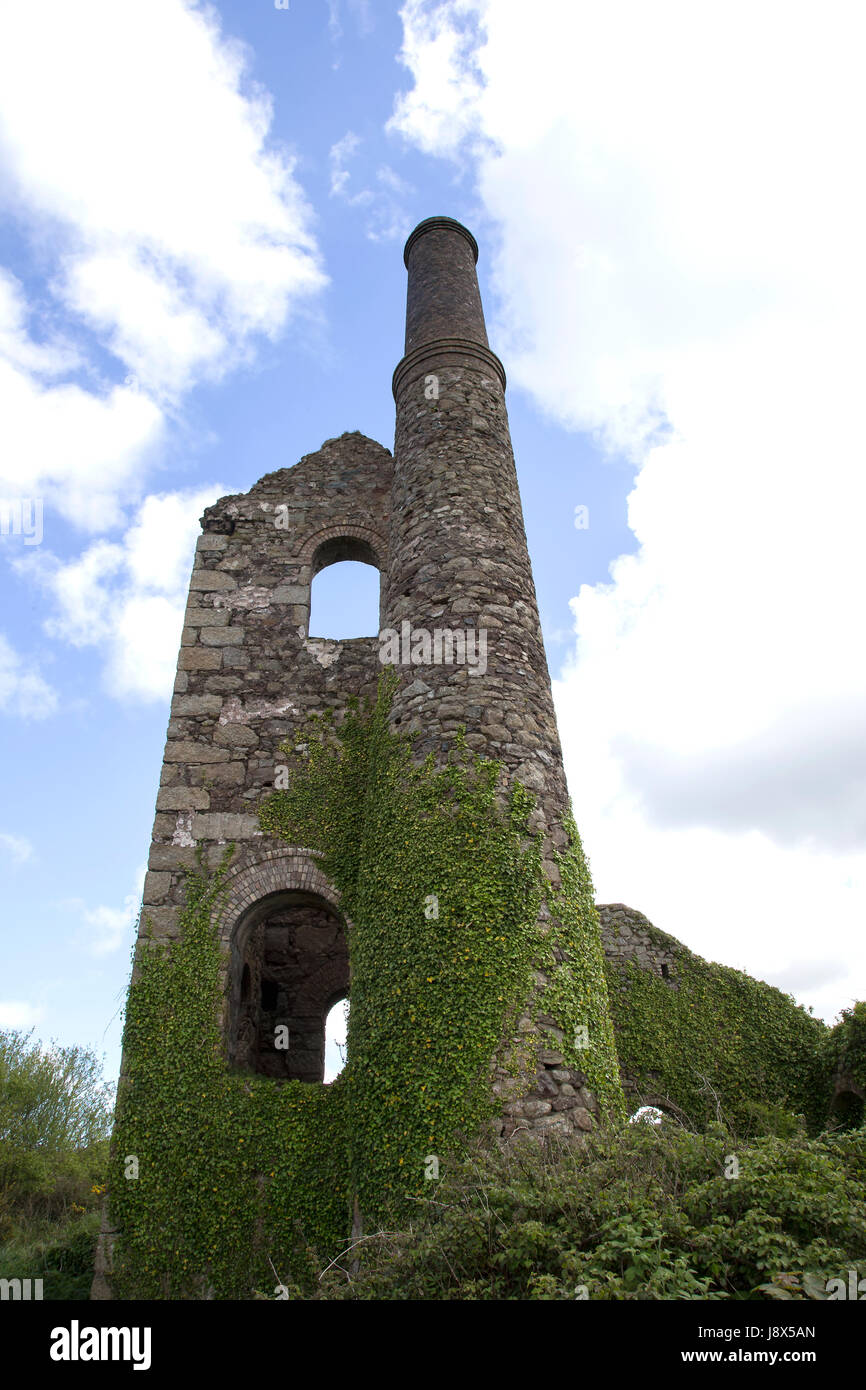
345 591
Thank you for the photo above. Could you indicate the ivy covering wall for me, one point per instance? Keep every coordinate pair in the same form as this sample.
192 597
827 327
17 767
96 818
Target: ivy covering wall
716 1038
240 1178
845 1065
846 1044
443 885
211 1172
229 1184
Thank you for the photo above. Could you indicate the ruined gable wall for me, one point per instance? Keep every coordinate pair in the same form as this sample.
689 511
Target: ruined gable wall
248 675
698 1038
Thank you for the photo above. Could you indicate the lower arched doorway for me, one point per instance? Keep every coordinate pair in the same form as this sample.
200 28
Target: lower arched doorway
289 966
847 1108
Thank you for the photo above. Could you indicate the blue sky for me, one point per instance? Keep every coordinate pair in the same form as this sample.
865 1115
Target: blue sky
201 246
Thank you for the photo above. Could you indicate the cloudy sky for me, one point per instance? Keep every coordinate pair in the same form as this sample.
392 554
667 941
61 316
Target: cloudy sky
202 211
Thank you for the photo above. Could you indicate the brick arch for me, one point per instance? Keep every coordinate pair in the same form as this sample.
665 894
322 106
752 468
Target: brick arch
848 1104
364 536
272 913
290 871
332 544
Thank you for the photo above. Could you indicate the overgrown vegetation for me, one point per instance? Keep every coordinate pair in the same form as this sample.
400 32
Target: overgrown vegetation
433 997
226 1185
639 1212
717 1036
55 1113
268 1169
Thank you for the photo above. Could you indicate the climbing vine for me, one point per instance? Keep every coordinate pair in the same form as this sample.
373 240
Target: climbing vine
718 1038
225 1185
846 1044
844 1057
450 918
442 885
576 995
217 1180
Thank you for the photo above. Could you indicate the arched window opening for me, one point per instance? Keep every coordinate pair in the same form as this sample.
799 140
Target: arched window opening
345 592
654 1109
290 963
847 1110
344 602
336 1025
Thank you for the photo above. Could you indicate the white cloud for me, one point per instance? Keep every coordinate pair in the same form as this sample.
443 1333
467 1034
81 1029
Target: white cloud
17 1013
166 339
678 266
387 219
361 13
75 448
128 597
335 28
440 48
136 157
340 154
52 357
174 186
111 927
22 690
18 847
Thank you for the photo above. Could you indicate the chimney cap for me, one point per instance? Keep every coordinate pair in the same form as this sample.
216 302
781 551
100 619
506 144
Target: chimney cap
439 223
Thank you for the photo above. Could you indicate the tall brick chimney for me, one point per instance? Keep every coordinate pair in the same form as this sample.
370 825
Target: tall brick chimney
458 553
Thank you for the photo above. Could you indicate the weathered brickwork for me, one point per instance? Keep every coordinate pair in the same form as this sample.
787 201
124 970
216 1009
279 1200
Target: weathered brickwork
248 672
454 462
442 522
627 935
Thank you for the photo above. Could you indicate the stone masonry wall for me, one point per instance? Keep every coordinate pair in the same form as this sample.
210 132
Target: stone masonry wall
443 522
248 674
627 935
459 558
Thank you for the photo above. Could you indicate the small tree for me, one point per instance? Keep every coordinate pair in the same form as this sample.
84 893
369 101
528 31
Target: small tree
54 1108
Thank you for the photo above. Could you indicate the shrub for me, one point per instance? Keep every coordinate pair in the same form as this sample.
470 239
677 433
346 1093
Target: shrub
643 1212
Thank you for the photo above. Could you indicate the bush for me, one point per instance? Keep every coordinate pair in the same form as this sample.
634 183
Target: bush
645 1212
55 1115
59 1253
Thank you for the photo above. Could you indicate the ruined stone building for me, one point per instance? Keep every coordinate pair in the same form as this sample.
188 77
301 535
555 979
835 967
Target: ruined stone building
441 521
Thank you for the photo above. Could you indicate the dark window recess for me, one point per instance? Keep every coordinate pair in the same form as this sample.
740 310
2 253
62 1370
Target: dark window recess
293 963
666 974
